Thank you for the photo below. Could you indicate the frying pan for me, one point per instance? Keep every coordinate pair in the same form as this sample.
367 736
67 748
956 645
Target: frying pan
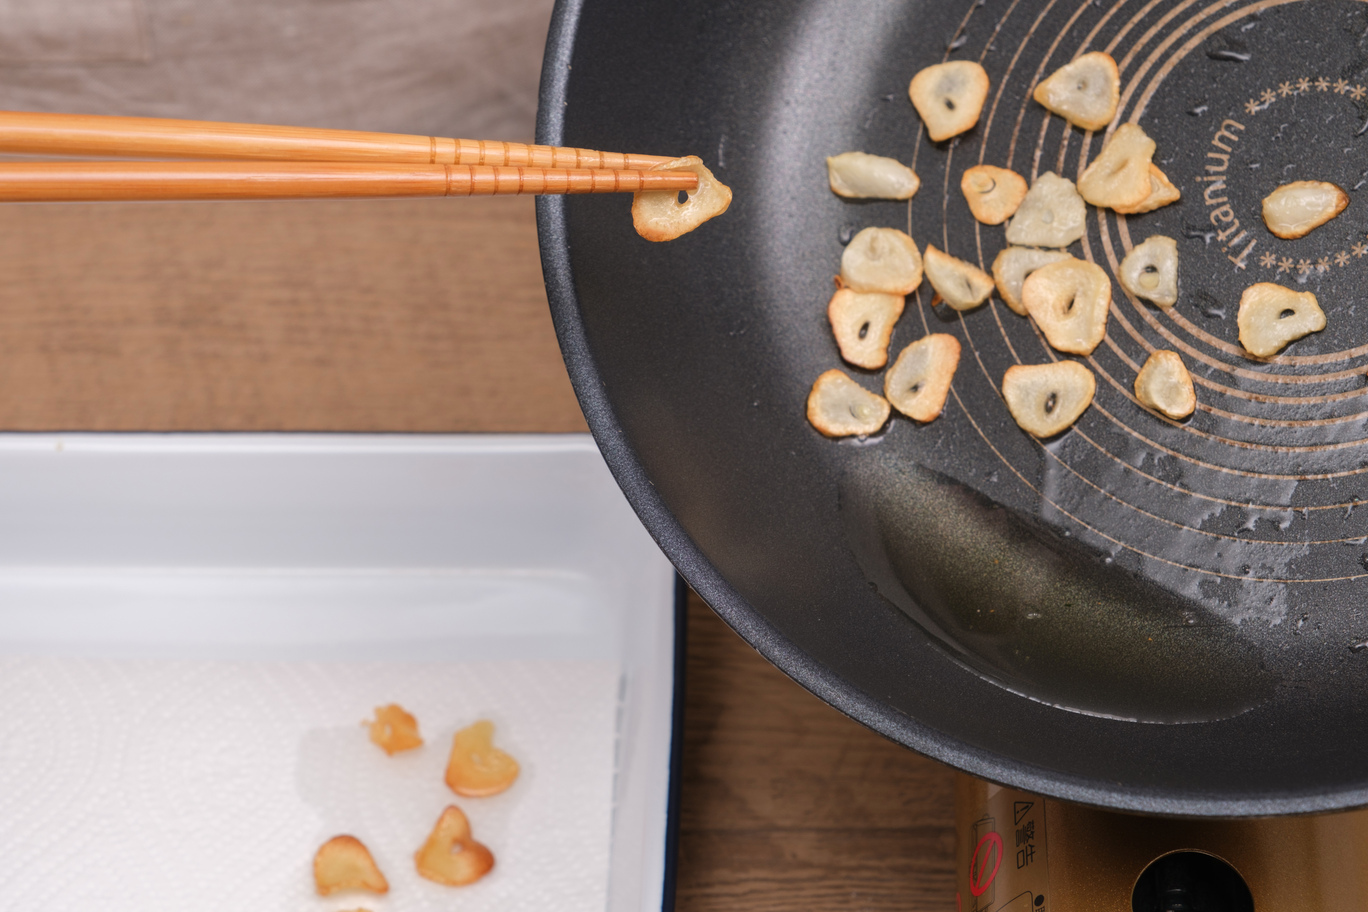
1160 616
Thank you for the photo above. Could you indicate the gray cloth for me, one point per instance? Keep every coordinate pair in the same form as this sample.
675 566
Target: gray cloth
459 68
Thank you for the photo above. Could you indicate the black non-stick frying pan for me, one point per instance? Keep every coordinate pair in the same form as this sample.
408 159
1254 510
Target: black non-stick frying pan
1145 614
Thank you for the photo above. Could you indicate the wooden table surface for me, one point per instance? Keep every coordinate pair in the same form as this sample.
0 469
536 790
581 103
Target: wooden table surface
430 316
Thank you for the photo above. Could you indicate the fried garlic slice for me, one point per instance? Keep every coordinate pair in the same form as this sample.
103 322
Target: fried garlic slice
658 215
344 863
1272 316
859 175
1165 385
1046 399
1295 210
881 260
394 729
1162 192
476 768
1150 271
961 285
1120 175
1085 92
840 407
949 97
993 193
1011 267
919 380
862 323
1069 301
451 856
1051 215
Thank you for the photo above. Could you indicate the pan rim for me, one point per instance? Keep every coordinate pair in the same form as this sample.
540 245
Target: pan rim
699 572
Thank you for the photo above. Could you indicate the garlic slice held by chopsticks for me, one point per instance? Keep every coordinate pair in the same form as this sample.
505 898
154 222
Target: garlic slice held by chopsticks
658 215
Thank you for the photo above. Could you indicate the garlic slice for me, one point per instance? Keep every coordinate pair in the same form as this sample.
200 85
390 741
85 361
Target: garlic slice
450 856
859 175
840 407
1162 192
862 323
394 729
961 285
1013 265
475 767
881 260
1295 210
344 863
1165 385
1120 175
919 380
1046 399
658 215
1069 301
949 97
993 193
1272 316
1051 215
1150 271
1085 92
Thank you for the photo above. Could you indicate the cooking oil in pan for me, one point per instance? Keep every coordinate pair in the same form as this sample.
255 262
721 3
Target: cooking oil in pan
1038 612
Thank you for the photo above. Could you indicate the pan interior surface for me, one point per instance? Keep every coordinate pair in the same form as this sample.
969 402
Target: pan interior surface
1164 616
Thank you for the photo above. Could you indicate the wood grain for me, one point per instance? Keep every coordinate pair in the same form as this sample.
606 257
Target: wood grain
409 315
789 805
405 316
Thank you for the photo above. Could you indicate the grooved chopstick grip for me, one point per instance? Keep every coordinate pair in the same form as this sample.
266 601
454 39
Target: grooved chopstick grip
39 182
150 137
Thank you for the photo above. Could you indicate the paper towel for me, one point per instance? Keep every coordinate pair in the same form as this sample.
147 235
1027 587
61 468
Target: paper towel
208 785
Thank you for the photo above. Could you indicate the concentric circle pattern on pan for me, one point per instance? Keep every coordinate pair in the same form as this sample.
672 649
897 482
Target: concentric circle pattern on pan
1158 615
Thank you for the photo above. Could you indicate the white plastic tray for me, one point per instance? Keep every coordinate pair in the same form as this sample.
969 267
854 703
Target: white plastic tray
288 546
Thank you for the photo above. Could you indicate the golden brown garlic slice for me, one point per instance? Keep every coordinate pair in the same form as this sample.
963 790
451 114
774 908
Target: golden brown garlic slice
862 323
1165 385
1295 210
881 260
1051 215
1120 175
1046 399
919 380
1272 316
859 175
949 97
658 215
840 407
961 285
1011 267
1085 92
394 729
1069 301
1162 192
993 193
475 767
451 856
1150 271
344 863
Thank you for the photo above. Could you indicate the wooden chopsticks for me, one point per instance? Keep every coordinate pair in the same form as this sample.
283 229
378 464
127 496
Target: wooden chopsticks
150 137
269 162
50 182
